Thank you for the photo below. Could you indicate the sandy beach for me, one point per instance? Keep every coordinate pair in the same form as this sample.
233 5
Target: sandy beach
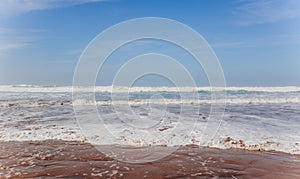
73 159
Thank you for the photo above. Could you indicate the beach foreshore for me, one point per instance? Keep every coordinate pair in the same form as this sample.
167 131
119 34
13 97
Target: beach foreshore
73 159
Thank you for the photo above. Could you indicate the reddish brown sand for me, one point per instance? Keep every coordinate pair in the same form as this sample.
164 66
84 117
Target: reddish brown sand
65 159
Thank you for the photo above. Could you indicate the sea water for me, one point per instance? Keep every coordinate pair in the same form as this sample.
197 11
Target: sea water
252 118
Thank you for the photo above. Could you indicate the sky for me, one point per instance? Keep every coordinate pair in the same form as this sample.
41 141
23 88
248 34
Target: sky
256 42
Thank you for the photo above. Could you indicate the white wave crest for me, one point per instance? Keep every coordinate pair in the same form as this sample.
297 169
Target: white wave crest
35 88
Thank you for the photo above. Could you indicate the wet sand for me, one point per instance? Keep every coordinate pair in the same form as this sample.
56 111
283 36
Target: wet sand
72 159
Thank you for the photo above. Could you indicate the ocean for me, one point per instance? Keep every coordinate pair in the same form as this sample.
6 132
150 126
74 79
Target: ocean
258 119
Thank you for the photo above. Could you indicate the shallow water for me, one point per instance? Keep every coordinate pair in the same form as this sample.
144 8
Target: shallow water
72 159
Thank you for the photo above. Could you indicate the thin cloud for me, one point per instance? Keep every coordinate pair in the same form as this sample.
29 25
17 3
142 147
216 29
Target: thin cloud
228 44
11 7
266 41
12 39
266 11
9 46
74 52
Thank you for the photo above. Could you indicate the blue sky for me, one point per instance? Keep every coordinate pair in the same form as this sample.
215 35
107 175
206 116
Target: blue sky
257 42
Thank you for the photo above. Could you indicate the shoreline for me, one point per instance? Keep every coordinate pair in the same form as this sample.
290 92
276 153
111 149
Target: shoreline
73 159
